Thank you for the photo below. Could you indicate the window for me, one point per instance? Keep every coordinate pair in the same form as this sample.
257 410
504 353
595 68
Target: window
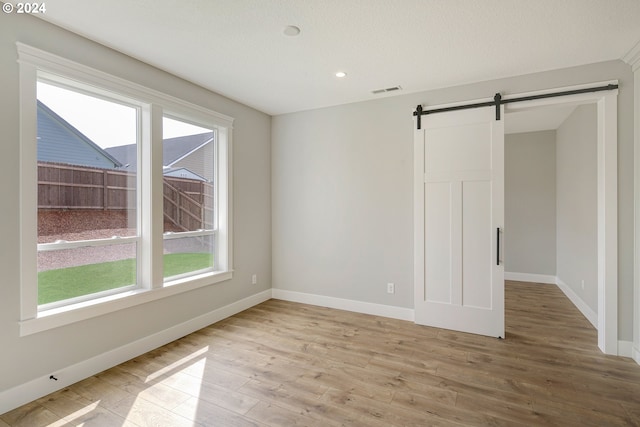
188 188
87 196
125 193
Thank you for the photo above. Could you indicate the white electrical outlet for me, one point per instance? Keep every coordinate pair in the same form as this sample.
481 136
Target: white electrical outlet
254 279
583 284
391 288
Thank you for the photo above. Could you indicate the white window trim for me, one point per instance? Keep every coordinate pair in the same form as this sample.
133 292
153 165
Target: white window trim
171 235
33 61
63 244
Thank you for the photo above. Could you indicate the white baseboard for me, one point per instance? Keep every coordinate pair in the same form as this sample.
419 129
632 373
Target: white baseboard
528 277
587 312
39 387
390 311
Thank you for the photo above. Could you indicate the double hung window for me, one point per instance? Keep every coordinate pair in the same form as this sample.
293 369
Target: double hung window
125 193
87 197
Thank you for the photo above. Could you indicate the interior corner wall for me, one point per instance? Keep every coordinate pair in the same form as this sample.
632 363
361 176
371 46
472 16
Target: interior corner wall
576 203
23 359
530 202
636 322
342 180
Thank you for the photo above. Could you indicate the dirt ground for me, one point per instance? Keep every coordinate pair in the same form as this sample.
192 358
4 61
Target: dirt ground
87 224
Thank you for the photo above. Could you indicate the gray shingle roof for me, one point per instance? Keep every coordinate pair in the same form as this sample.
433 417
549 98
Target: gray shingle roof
60 142
173 149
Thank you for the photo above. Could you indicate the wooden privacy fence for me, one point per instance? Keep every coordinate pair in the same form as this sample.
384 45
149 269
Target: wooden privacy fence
188 203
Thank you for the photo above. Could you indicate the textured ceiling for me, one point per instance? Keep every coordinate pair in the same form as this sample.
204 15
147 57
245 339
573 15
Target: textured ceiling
237 47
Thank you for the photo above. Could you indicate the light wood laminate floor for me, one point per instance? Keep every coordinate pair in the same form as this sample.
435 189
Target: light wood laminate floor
288 364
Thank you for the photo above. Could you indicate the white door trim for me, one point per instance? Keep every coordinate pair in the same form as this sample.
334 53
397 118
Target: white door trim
607 199
607 217
634 60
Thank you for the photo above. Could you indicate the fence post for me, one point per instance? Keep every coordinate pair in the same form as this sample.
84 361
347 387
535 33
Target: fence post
178 207
202 210
105 190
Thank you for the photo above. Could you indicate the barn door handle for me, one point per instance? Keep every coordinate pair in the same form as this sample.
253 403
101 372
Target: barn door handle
498 246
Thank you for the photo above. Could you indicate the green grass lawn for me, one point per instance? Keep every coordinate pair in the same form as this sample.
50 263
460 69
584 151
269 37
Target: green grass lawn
65 283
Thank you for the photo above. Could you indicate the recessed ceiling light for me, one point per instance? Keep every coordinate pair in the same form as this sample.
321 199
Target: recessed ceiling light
341 74
291 30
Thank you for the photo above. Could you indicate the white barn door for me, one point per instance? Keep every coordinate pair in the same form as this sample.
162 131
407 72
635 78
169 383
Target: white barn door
459 214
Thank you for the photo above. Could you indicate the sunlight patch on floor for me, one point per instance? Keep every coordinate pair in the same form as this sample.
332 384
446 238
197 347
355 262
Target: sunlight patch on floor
177 364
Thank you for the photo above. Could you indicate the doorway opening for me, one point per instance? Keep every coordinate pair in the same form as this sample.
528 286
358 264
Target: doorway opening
551 201
586 205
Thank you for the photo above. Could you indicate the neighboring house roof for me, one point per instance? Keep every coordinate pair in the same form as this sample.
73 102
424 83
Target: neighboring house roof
173 149
182 173
60 142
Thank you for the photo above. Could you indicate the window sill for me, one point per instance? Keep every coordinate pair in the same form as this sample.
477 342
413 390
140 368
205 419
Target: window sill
66 315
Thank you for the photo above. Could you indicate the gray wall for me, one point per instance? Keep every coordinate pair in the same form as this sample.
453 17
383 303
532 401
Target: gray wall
576 202
530 202
29 357
342 185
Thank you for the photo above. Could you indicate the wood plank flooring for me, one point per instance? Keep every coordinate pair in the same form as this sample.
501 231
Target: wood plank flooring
288 364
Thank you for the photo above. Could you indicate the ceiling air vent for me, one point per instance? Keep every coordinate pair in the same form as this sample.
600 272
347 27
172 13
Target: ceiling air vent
389 89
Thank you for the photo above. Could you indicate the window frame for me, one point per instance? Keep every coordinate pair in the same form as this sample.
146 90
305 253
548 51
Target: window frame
219 249
116 98
152 104
77 244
